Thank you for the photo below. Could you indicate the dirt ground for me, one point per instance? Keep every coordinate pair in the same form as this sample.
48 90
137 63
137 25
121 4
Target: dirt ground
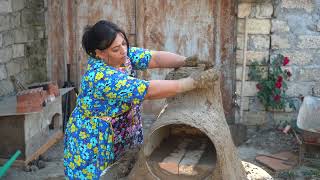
260 141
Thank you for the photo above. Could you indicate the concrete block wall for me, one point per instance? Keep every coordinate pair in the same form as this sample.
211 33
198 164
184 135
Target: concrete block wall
23 43
289 27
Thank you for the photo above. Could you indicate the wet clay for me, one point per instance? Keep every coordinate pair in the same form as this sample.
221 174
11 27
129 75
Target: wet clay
202 110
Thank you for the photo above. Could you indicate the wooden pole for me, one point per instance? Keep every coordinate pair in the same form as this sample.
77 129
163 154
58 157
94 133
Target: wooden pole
244 63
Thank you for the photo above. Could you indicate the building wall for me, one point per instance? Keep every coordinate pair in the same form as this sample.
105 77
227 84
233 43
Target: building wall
289 27
23 43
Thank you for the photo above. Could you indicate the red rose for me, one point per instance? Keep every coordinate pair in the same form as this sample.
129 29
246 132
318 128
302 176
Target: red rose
278 85
276 98
279 79
258 86
285 61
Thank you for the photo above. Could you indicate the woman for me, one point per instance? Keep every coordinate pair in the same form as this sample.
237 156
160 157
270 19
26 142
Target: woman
106 119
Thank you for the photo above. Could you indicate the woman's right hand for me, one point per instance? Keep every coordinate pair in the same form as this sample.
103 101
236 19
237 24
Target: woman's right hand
205 78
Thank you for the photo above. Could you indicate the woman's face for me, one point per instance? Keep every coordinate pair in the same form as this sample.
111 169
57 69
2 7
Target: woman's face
116 54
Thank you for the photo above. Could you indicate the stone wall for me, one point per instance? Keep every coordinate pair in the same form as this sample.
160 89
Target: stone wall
289 27
23 43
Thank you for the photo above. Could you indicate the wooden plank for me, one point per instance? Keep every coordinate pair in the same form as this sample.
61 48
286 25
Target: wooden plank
53 140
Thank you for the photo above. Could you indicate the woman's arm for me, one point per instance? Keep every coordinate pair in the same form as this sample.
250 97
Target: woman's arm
163 59
159 89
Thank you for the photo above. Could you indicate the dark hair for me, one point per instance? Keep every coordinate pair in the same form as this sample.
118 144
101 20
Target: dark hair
100 36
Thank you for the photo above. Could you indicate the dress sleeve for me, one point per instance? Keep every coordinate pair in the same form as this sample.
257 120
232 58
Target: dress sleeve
139 58
121 88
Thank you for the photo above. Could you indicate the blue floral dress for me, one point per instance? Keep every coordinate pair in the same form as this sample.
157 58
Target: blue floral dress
106 120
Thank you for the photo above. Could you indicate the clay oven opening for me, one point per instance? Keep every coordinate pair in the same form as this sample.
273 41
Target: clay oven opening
180 151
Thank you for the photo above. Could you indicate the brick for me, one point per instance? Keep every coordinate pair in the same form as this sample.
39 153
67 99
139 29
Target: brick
249 88
244 9
171 162
279 42
278 26
245 102
259 42
4 22
18 50
254 118
20 35
309 42
5 54
255 26
18 4
3 72
6 87
190 160
5 6
295 89
30 100
307 5
253 56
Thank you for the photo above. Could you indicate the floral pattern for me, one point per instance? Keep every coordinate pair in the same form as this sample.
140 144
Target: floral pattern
106 120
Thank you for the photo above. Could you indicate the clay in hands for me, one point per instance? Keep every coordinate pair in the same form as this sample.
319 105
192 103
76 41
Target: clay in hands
205 78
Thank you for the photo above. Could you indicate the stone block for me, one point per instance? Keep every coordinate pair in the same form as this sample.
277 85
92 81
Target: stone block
7 37
20 35
239 73
5 6
262 10
309 42
297 57
245 102
254 118
35 4
4 22
308 74
295 89
13 68
5 54
6 87
3 72
30 17
253 56
18 50
240 41
282 117
255 105
249 88
1 40
307 5
278 26
15 20
255 26
17 5
259 42
244 9
279 42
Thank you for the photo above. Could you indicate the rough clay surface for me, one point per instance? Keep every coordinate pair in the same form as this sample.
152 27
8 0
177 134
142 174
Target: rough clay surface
200 108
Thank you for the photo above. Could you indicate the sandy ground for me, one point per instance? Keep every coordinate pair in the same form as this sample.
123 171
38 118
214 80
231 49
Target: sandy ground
262 141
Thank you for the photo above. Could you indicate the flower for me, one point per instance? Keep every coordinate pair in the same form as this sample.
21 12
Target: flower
280 79
285 61
272 88
259 87
276 98
278 85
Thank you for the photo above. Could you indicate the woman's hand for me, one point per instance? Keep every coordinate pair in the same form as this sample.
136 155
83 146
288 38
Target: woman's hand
191 61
